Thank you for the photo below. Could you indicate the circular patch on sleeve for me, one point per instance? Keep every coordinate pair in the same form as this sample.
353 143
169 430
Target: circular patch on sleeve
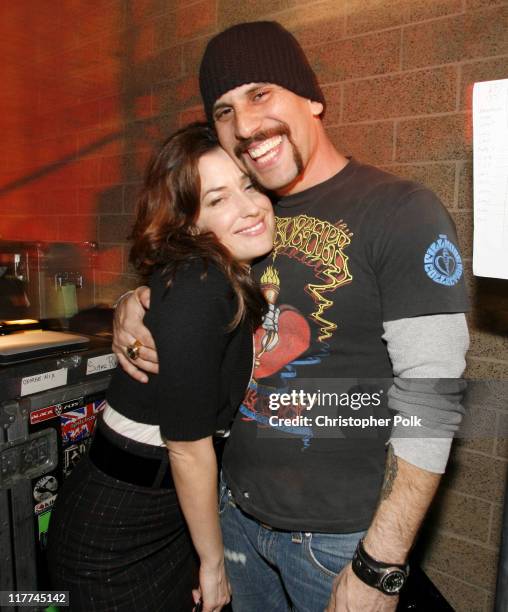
442 262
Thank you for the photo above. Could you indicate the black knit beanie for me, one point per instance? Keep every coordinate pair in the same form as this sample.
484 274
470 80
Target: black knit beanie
255 52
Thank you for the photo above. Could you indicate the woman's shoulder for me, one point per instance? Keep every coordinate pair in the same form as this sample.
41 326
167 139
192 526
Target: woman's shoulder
198 276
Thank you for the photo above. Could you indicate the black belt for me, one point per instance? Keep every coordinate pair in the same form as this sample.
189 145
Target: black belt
124 465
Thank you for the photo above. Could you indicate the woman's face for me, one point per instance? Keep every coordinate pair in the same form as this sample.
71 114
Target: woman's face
240 216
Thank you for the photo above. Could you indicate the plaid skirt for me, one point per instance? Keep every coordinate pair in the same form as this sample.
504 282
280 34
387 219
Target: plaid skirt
116 546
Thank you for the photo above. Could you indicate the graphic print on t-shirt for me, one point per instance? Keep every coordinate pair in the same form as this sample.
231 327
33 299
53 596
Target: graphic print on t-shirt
443 263
319 245
286 333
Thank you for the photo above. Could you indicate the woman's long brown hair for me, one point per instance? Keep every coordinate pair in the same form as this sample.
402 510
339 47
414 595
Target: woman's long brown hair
164 233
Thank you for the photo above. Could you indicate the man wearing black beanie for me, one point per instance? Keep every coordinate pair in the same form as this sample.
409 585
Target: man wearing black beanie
365 282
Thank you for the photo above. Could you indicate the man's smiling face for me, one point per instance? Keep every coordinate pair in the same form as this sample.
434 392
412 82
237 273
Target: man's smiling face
269 131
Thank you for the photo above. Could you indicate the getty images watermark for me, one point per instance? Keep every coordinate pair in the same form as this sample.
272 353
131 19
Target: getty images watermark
376 407
306 401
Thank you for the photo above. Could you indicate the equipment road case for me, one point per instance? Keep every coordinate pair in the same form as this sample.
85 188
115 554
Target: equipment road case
48 411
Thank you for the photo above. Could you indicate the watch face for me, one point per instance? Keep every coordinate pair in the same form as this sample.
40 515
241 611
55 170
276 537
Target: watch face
393 582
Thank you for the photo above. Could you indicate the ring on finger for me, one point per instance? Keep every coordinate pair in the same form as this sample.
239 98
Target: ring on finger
132 351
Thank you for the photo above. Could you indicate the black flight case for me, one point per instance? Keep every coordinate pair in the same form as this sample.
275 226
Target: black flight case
48 411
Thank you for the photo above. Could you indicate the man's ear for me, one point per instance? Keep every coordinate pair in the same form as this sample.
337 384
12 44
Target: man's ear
316 108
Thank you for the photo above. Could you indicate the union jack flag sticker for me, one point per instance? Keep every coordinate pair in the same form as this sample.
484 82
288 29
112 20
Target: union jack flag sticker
78 424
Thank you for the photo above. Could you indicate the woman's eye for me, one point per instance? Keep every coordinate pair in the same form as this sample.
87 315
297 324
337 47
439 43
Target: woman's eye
250 187
215 202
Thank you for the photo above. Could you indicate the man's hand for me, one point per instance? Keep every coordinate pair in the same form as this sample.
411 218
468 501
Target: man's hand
405 496
350 594
127 328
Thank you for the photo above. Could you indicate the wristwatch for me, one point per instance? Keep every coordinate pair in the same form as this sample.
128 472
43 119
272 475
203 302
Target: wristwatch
389 578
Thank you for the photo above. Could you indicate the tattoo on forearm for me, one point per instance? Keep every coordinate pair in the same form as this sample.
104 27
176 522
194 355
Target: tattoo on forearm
390 473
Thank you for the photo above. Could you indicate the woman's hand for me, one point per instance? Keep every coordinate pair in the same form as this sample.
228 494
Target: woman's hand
194 469
214 587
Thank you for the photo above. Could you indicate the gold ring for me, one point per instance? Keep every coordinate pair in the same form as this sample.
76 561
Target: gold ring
132 350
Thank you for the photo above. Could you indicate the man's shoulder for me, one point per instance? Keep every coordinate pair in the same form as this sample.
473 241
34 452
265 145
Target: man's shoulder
377 182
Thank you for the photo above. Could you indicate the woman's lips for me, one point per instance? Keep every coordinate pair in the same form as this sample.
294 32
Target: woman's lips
253 230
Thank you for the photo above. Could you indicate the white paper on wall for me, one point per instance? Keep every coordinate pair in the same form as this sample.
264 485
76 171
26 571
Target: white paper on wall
490 150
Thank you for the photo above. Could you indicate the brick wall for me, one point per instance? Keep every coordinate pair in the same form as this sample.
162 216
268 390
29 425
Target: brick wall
90 86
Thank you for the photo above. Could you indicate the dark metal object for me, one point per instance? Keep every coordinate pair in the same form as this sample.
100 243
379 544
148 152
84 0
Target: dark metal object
501 604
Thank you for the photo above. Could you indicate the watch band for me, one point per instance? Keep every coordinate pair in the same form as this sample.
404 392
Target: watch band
389 578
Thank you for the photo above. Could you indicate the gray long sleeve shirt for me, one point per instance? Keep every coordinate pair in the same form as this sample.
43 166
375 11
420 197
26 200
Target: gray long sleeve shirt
428 348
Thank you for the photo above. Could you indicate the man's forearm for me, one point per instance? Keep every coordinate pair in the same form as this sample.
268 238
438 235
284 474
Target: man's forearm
408 490
405 497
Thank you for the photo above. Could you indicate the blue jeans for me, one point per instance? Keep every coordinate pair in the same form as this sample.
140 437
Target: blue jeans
278 571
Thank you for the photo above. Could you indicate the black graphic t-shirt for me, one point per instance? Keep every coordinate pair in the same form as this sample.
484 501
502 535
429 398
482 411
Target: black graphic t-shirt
361 248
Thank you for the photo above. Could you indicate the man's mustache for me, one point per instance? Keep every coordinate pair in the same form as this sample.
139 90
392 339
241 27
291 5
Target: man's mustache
280 130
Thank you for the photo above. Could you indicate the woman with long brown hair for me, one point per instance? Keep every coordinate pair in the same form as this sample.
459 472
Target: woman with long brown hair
124 525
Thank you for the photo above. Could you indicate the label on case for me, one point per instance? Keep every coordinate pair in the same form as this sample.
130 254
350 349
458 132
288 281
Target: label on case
78 424
101 363
41 382
51 412
42 414
45 505
45 488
